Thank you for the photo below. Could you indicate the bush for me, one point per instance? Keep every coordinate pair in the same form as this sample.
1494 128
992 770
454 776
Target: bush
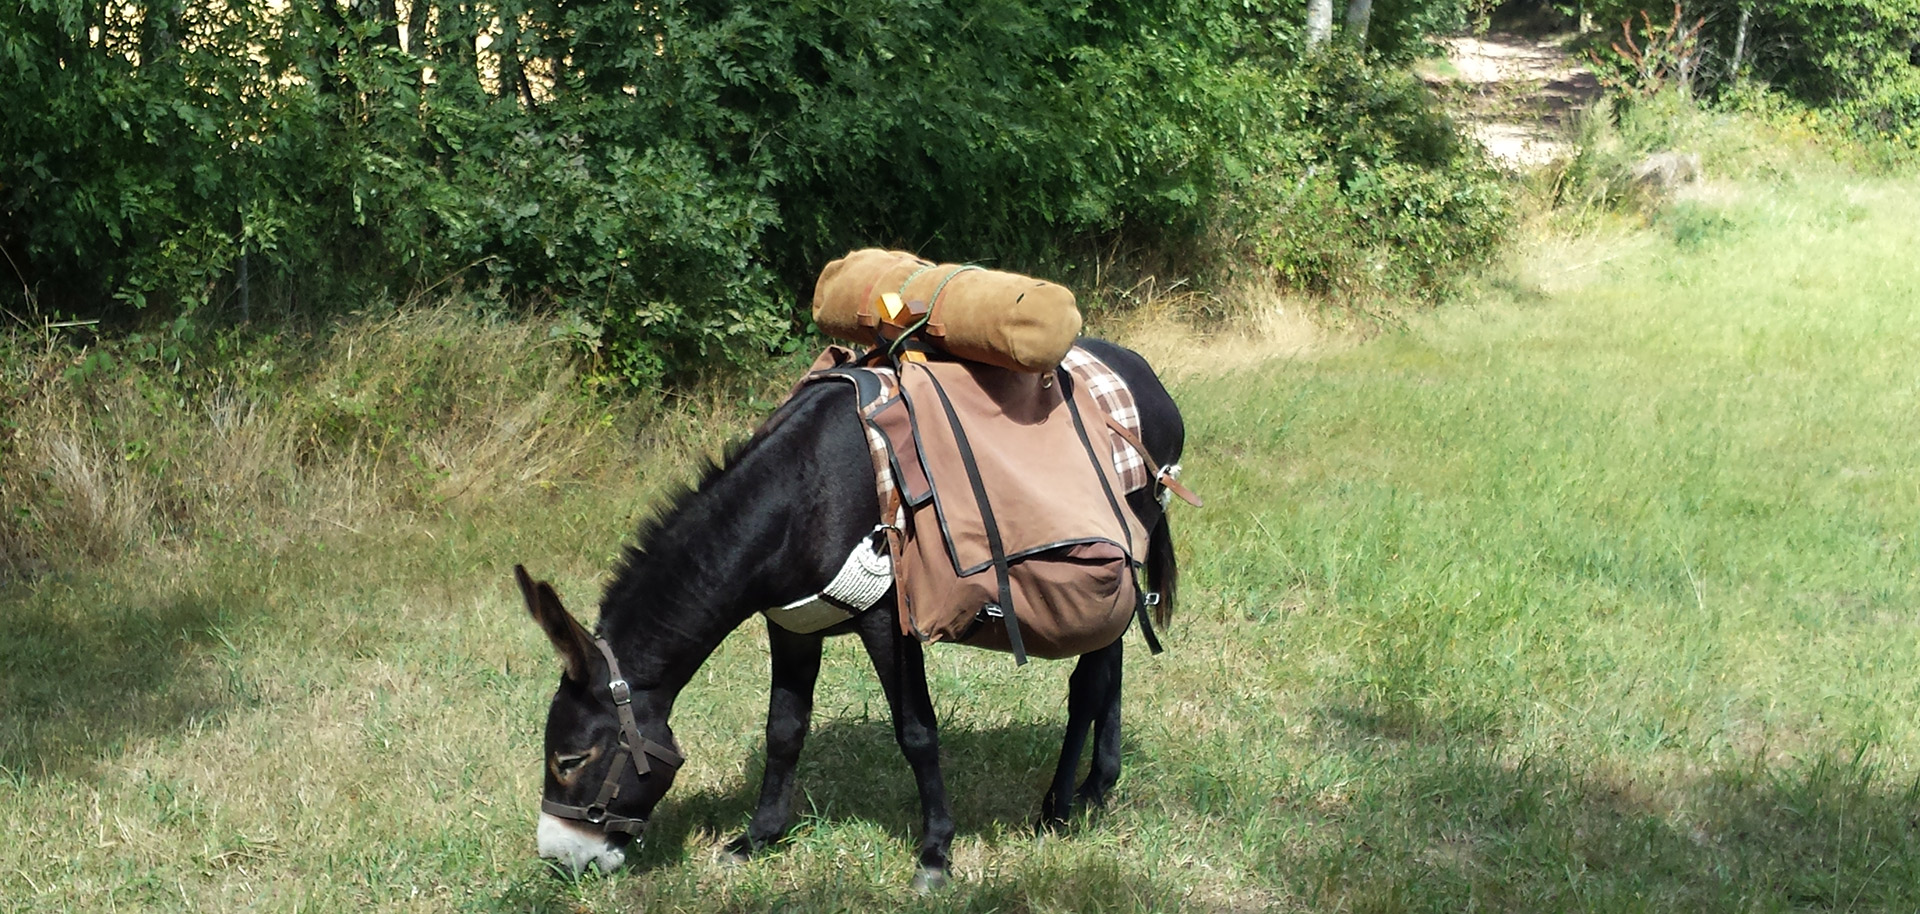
1366 187
1890 112
674 175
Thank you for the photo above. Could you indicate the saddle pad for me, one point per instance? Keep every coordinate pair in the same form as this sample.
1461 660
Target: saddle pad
1115 398
1109 390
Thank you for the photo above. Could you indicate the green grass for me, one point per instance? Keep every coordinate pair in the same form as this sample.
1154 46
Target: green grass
1597 592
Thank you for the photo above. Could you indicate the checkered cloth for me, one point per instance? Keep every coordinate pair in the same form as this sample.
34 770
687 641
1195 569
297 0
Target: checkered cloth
1109 391
876 442
1113 396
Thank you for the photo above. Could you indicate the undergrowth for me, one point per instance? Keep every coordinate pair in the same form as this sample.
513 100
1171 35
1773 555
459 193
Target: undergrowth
151 445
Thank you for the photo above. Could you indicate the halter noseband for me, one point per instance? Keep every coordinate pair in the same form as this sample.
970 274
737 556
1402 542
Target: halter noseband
632 746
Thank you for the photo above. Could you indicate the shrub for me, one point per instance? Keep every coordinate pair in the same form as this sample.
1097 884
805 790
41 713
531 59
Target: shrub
1366 187
672 176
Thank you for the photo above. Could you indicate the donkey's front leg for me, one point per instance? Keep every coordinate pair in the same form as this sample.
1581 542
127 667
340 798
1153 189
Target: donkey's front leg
796 666
901 666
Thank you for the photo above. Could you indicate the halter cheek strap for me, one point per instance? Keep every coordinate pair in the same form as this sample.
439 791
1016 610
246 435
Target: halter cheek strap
632 746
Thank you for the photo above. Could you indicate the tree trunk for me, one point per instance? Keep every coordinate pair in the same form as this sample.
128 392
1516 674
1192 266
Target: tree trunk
1359 13
1740 43
389 14
513 73
417 42
1319 23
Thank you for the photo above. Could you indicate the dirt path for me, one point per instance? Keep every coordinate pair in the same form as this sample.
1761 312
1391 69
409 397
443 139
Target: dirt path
1515 93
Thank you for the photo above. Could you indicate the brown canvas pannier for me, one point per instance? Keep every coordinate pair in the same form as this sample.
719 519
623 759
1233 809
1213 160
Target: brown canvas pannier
1016 536
1024 516
1005 319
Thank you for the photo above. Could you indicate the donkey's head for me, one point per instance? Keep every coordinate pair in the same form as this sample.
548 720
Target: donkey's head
603 776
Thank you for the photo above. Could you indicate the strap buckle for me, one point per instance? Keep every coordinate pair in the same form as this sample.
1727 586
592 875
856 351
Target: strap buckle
622 693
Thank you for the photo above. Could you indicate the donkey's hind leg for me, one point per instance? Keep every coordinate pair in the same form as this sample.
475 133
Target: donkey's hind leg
796 666
1093 701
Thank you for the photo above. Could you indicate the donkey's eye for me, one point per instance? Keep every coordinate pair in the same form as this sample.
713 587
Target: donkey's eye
565 767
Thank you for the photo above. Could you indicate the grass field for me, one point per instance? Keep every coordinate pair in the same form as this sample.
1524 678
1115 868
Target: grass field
1599 591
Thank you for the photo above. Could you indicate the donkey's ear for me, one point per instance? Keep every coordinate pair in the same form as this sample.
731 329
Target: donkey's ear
569 638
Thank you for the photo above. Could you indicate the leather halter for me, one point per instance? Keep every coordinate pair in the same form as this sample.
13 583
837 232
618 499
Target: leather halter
632 746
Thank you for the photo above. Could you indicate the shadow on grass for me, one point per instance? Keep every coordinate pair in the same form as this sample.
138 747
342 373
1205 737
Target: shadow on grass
852 770
1441 822
79 679
1086 885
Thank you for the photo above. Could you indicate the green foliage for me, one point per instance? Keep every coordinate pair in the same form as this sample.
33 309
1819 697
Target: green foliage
1367 188
1891 110
1855 54
649 248
673 176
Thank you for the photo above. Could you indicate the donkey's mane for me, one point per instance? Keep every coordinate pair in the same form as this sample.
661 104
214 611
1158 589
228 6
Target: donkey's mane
653 537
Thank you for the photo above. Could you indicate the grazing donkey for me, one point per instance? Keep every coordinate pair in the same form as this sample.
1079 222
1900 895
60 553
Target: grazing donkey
776 522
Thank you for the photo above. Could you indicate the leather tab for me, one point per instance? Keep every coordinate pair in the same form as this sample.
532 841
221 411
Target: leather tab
1173 485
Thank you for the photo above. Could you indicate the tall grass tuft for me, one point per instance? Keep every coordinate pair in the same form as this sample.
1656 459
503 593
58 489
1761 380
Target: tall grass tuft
154 446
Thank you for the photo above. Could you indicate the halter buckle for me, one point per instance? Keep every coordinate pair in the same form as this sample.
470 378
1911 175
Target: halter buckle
622 693
595 814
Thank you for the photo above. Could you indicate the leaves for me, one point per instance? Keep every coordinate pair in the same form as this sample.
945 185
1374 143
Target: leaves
672 174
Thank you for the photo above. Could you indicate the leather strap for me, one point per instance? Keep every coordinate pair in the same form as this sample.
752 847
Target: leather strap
633 747
640 746
1159 475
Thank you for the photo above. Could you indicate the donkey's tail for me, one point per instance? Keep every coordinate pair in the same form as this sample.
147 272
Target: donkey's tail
1163 570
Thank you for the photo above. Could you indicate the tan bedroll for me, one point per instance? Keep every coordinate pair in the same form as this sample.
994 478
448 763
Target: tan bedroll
999 318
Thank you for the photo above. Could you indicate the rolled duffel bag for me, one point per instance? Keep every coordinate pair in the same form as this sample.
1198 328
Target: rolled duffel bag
999 318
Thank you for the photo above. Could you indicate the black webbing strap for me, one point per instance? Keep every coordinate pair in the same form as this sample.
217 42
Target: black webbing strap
1140 596
1146 618
1080 428
1000 570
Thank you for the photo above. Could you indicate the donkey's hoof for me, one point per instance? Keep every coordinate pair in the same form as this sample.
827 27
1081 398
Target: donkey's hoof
738 851
927 880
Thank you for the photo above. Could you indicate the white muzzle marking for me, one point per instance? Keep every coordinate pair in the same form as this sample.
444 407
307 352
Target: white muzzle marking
576 847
